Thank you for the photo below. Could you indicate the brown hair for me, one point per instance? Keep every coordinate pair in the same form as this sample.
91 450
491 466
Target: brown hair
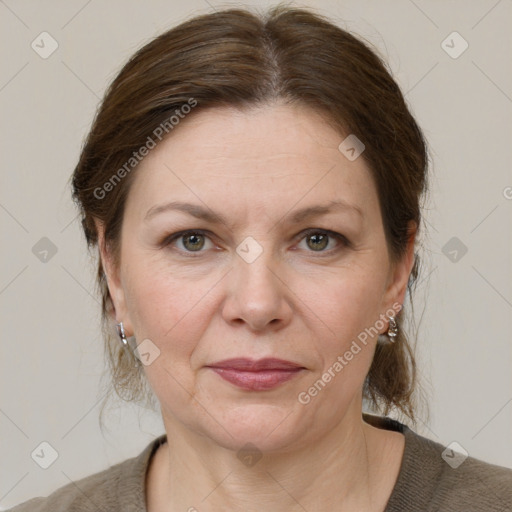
240 59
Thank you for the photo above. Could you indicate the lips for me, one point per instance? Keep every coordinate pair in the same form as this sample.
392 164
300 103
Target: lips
251 365
259 375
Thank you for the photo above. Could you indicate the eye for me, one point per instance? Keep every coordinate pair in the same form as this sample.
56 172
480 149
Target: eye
191 241
319 239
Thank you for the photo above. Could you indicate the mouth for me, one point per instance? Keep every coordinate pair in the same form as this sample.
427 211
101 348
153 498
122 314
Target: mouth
259 375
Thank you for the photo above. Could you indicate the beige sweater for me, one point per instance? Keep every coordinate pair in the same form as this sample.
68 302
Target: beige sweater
426 482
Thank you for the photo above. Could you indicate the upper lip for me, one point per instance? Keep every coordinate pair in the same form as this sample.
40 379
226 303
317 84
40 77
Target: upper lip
252 365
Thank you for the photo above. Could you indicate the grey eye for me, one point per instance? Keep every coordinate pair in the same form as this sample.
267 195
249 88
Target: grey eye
193 242
317 241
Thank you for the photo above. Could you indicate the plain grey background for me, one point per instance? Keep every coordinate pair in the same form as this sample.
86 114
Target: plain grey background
51 350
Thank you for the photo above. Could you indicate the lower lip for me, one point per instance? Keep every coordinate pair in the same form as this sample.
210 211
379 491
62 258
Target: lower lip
256 381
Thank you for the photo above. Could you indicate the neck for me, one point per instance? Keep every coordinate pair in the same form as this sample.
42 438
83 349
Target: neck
344 470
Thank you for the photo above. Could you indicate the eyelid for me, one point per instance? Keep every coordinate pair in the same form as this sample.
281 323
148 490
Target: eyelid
333 234
175 236
300 236
310 231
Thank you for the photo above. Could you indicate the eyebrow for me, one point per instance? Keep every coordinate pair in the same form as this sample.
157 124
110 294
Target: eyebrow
212 217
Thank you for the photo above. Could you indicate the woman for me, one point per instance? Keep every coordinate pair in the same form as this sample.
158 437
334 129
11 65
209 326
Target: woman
253 186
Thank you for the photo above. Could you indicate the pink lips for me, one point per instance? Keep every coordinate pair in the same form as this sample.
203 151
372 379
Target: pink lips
260 375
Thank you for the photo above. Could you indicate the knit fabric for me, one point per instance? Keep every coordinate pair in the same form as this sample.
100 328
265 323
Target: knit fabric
426 482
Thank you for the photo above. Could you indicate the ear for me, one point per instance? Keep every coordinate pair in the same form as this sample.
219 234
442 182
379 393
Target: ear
114 282
401 270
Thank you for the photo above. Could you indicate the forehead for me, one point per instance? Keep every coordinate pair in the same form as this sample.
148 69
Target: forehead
257 133
267 158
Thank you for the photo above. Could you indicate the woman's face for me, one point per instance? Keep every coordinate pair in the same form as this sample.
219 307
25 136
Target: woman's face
255 284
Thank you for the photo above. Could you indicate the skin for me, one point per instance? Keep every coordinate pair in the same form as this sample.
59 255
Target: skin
257 167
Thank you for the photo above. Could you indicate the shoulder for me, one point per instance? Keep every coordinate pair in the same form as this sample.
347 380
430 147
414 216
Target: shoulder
120 487
474 485
439 478
89 493
448 480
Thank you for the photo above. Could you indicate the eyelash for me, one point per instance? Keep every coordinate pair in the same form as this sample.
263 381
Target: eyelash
304 234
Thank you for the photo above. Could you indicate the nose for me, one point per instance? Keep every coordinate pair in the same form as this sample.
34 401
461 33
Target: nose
258 295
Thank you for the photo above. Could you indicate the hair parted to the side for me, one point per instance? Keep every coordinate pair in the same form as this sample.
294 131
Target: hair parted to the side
242 59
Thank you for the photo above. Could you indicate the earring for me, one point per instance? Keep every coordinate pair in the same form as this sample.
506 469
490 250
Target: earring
121 333
392 329
389 336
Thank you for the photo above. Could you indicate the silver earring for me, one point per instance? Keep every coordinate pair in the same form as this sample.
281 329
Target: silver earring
392 329
389 336
121 333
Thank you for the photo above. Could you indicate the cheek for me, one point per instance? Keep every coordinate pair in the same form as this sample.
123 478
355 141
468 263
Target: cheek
165 304
163 312
347 308
155 293
150 306
169 306
346 302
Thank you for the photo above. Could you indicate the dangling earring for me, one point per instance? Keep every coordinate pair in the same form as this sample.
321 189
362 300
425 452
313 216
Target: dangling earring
390 335
392 329
121 333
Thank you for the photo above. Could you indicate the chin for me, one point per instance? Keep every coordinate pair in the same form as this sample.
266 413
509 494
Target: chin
268 427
